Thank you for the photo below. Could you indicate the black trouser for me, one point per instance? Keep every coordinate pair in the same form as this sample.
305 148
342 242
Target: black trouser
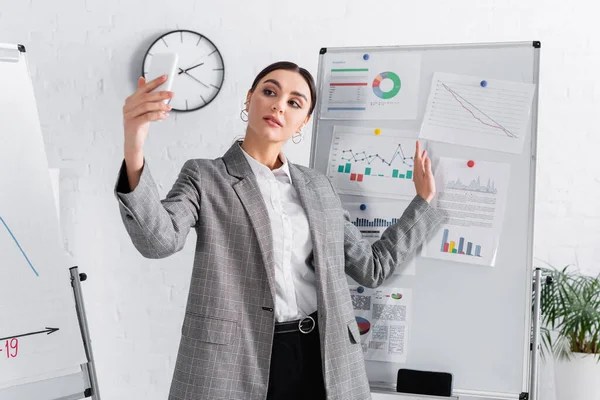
296 370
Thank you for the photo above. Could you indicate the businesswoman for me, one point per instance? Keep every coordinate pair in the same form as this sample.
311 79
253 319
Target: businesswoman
269 314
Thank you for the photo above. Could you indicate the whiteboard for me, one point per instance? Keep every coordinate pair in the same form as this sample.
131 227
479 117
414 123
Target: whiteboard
72 386
41 343
473 322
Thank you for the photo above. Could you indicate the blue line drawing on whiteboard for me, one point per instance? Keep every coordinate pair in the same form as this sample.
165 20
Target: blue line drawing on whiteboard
19 246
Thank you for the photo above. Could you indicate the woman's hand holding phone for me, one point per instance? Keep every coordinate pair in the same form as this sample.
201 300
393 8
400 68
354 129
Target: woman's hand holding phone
142 107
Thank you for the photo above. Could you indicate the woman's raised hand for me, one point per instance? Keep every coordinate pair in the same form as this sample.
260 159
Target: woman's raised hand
140 108
422 175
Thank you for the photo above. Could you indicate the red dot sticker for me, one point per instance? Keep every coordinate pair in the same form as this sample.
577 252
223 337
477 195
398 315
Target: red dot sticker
471 163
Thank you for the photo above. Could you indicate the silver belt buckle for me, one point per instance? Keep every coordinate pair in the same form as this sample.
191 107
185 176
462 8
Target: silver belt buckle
312 326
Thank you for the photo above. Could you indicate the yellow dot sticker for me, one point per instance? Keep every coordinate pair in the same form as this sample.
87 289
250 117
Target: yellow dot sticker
378 131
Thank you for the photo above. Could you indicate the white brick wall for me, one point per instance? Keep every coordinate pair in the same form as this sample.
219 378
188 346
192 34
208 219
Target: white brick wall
84 59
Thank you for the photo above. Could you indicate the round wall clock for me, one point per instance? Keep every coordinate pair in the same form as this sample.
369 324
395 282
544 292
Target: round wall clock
200 69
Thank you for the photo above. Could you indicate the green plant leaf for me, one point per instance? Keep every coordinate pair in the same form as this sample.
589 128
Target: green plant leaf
570 307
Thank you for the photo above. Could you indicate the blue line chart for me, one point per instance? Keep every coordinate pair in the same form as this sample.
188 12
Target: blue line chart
19 246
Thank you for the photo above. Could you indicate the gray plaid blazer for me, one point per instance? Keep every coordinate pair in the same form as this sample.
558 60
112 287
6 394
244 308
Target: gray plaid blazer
227 332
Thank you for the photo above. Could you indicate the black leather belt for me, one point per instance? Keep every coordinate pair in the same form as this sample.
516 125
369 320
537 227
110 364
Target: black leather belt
305 325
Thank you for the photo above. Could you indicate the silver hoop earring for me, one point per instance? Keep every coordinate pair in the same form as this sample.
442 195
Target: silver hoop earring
244 115
296 136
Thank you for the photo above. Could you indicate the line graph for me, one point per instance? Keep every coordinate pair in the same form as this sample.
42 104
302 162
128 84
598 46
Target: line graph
375 165
464 102
470 108
369 158
18 245
464 110
474 186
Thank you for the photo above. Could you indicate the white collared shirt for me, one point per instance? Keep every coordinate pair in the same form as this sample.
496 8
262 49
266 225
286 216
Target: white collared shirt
295 287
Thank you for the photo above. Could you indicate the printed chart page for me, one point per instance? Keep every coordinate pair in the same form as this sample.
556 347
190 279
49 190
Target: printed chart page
378 85
474 111
372 162
473 196
372 217
383 316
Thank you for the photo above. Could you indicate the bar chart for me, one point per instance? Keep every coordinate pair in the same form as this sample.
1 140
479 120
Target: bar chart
359 177
377 165
373 217
374 222
462 247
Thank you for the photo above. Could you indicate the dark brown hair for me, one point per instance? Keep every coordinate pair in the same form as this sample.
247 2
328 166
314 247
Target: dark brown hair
290 66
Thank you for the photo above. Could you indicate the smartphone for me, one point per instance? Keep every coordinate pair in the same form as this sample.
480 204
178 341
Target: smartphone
163 64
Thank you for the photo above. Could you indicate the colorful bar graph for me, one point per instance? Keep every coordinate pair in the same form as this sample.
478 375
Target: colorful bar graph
445 241
347 168
449 246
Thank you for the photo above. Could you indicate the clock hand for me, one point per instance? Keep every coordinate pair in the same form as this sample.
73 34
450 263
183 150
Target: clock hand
197 65
195 79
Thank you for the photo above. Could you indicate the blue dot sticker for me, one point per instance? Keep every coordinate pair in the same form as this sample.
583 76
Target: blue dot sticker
360 289
363 207
483 83
365 57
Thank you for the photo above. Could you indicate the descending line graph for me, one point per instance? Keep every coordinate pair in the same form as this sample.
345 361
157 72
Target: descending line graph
479 111
464 102
19 246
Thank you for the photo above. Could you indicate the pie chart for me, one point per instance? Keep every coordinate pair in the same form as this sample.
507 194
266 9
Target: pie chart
390 93
364 326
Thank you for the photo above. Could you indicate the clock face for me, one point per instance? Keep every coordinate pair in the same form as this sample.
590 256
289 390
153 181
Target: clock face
200 70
